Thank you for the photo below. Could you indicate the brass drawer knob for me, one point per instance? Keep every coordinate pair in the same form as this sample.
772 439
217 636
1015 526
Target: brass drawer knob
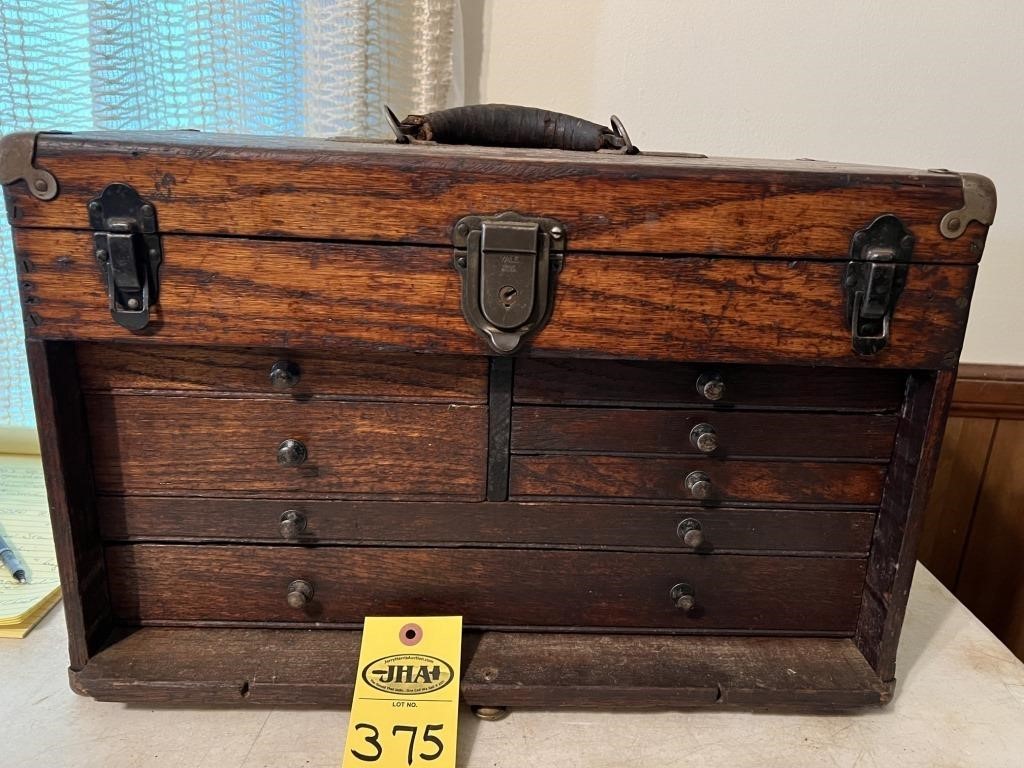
698 484
711 385
292 524
704 438
291 453
684 597
300 593
284 374
691 532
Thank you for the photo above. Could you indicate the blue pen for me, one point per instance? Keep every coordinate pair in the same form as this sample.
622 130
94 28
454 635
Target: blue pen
10 560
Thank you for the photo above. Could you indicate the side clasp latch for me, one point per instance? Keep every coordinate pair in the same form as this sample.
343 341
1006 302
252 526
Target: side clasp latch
874 280
508 264
127 248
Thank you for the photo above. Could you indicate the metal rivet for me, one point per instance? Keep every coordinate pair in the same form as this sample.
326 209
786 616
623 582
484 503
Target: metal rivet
101 255
557 232
40 185
953 224
133 303
94 207
462 229
461 261
147 210
154 253
907 242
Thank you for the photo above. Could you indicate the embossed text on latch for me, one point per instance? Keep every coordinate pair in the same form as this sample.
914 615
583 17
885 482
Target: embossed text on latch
508 265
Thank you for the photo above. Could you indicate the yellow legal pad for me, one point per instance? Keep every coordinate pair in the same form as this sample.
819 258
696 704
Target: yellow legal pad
25 524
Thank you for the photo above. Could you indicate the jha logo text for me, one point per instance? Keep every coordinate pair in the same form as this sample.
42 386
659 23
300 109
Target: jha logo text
408 674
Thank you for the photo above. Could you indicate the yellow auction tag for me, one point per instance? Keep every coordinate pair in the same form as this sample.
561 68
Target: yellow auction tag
405 708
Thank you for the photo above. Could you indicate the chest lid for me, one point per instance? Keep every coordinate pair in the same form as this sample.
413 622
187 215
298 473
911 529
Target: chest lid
383 191
570 243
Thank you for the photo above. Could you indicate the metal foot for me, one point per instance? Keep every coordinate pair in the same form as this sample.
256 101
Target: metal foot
491 713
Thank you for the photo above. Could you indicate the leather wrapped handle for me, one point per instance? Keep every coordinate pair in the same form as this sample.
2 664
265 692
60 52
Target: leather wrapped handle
505 125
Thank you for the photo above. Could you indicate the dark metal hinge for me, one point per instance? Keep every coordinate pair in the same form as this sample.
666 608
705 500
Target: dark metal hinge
127 247
874 280
508 265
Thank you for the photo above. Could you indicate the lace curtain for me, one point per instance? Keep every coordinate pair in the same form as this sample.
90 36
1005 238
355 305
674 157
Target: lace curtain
288 67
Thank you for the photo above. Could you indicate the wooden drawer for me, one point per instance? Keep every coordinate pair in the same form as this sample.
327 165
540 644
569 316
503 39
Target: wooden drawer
796 482
610 382
486 587
159 518
144 443
378 376
634 430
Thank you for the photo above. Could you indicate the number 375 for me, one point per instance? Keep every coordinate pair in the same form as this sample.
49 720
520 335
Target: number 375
372 739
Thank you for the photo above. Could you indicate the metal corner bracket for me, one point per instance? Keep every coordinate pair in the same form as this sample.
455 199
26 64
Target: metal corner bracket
979 205
17 162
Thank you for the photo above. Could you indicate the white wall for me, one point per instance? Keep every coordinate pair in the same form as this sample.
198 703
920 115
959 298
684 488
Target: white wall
918 83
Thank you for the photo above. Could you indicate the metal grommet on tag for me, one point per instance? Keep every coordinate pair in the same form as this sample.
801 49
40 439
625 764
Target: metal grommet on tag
410 634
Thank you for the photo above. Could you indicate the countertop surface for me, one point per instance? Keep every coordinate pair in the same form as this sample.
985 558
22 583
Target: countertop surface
959 702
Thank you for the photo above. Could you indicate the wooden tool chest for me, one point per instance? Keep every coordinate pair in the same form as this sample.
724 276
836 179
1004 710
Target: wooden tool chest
661 428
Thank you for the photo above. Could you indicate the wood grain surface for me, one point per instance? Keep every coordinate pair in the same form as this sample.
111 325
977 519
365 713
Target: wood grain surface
228 446
60 416
674 385
414 194
379 376
634 430
618 477
554 525
217 291
901 518
486 587
299 668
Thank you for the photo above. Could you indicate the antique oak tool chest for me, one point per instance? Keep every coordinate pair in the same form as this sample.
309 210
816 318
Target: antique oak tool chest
660 427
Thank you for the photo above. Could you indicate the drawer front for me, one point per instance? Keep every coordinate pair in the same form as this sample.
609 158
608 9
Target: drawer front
634 430
139 518
298 373
610 382
229 446
486 587
803 482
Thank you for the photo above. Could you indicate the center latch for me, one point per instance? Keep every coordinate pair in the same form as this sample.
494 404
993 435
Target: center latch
508 265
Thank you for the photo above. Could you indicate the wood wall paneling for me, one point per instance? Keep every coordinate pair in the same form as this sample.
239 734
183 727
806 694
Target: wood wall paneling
991 580
973 537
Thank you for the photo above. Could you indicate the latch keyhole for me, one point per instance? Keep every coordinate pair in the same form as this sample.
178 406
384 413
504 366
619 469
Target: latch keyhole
507 294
